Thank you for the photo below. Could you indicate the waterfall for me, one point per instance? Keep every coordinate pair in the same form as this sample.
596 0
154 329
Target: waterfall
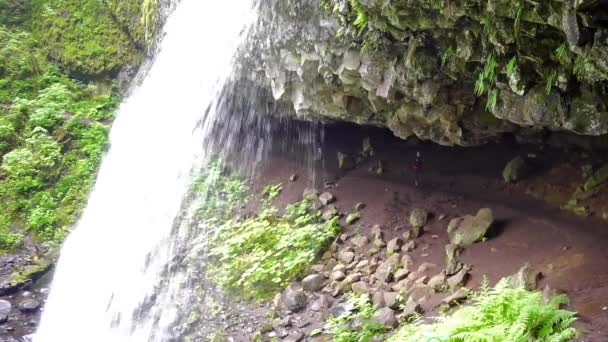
110 265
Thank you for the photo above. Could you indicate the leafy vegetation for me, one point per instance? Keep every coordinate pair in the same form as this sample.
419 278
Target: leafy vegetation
341 327
255 256
502 313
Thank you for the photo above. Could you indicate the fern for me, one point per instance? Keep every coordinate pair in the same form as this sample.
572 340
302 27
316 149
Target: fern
500 314
550 81
511 66
518 17
447 56
361 16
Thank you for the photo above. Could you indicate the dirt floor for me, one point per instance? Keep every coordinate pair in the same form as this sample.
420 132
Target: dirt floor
570 251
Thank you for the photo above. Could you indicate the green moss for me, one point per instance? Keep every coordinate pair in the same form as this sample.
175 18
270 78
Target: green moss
29 273
83 36
599 178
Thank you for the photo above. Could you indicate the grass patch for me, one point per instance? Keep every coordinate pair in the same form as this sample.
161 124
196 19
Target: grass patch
498 314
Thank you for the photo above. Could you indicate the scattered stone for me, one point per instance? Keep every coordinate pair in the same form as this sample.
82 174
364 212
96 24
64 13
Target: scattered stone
379 242
453 265
426 266
406 261
411 308
392 300
293 178
342 308
434 236
29 305
326 198
377 231
321 304
346 284
455 298
386 317
360 241
408 246
330 212
515 170
310 194
459 279
401 274
285 322
438 282
526 277
360 287
465 231
313 282
352 218
422 280
294 337
346 256
441 217
378 299
317 268
420 293
359 206
3 318
337 276
418 218
385 272
394 245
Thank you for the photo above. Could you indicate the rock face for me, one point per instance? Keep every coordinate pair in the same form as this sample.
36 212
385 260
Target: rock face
465 231
412 66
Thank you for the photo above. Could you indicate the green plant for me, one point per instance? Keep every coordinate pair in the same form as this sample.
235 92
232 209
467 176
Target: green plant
342 327
502 313
447 56
511 66
550 81
256 256
272 191
486 81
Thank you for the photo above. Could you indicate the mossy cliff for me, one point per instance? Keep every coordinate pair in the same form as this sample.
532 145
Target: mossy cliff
59 63
455 72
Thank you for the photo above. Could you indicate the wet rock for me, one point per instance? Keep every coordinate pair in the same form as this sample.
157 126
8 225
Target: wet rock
294 300
310 194
418 218
385 272
453 265
386 317
28 305
353 217
360 241
359 206
346 285
425 266
337 276
378 299
330 212
527 277
293 178
455 298
467 230
342 308
294 337
420 293
392 300
516 170
406 261
5 306
394 245
321 304
313 282
459 279
3 317
326 198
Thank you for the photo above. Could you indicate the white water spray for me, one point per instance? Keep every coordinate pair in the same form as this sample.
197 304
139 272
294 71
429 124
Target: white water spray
105 272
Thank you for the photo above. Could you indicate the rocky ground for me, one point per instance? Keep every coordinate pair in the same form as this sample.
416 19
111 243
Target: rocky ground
400 242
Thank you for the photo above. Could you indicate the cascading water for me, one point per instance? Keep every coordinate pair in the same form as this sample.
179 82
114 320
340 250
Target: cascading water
110 265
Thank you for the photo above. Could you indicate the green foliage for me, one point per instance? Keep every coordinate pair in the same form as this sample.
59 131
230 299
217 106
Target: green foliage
511 66
82 36
447 56
256 256
272 191
500 314
341 327
550 81
486 81
13 12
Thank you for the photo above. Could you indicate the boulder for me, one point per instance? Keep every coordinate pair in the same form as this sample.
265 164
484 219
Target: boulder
385 317
418 218
465 231
394 245
392 300
346 256
5 306
377 231
3 318
438 282
526 277
28 305
313 282
360 287
337 276
327 198
378 299
401 274
408 246
411 308
310 194
342 308
294 300
453 265
321 304
515 170
420 293
455 298
459 279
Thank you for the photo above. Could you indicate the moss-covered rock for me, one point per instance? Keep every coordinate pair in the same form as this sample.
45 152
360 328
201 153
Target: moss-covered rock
83 37
455 72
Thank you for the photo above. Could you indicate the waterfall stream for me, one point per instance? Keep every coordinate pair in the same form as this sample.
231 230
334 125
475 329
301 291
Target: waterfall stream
110 265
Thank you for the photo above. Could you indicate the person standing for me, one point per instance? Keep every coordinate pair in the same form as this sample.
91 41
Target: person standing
417 169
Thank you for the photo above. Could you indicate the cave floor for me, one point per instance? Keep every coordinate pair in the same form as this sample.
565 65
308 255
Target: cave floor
571 252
